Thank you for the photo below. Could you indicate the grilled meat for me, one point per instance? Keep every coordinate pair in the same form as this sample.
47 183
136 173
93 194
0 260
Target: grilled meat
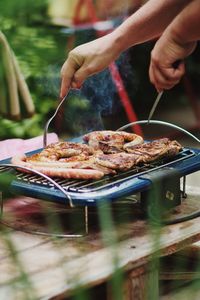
144 153
67 150
117 161
118 151
55 171
155 150
111 141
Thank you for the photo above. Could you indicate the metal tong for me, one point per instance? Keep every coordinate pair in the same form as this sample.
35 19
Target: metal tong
49 121
175 66
154 106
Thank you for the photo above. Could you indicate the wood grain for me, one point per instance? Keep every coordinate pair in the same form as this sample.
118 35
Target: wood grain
56 266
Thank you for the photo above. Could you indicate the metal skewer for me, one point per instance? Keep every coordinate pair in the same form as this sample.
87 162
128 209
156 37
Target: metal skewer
49 121
154 106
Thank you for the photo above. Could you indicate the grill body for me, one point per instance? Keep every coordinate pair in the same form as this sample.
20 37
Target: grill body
109 188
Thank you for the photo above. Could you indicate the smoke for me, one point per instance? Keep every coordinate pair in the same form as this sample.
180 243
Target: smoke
50 82
98 96
101 91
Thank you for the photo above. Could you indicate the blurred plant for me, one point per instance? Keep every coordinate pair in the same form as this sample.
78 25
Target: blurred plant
22 11
35 43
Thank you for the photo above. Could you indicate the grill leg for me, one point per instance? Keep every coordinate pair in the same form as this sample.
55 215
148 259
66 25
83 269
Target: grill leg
184 195
86 220
38 232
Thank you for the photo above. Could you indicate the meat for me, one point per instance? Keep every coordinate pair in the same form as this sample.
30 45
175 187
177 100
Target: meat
55 171
57 151
107 152
88 163
117 161
144 153
155 150
111 141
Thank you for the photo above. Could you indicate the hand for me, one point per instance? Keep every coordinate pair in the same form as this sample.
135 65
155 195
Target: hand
86 60
162 72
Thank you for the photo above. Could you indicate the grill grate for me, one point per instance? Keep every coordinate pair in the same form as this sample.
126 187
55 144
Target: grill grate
85 186
109 188
3 169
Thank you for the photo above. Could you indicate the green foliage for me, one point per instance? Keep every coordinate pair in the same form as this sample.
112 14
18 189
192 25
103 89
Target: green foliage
40 50
22 11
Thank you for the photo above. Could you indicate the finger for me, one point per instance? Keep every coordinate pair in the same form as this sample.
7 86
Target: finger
83 73
162 79
172 73
165 85
76 85
64 87
151 74
67 73
153 78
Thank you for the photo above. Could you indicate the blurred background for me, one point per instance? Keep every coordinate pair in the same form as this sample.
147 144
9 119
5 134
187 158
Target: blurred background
41 32
35 38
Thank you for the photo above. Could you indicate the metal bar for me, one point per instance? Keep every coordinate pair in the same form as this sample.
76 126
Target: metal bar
49 121
59 235
184 195
44 176
154 106
157 122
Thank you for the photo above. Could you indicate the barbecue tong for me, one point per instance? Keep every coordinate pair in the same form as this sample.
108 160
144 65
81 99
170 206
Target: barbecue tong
154 106
50 119
175 66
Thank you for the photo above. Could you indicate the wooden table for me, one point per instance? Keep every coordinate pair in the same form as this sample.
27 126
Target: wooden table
52 267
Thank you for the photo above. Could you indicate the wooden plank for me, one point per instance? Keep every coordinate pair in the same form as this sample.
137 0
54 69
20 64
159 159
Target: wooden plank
185 293
98 266
57 267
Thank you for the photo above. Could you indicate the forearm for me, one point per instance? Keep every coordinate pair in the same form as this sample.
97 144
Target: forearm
186 26
147 23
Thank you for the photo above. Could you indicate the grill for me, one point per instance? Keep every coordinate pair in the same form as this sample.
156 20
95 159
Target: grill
141 179
110 188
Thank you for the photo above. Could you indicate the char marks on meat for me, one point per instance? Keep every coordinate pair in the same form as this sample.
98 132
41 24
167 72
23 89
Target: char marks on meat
155 150
111 141
117 161
107 152
52 169
144 153
67 151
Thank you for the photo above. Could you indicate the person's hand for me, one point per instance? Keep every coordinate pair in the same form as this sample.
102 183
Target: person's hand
86 60
167 62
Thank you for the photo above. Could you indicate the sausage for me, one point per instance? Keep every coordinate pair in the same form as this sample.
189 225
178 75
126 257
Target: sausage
55 171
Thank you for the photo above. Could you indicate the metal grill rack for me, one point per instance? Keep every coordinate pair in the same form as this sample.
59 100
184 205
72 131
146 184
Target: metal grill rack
88 192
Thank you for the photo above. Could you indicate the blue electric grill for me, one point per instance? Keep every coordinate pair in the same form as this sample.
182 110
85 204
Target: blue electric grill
89 192
141 179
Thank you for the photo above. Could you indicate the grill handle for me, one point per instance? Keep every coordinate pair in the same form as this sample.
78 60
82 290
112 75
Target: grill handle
158 122
42 175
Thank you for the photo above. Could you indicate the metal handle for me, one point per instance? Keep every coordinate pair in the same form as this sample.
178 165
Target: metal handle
157 122
49 121
154 106
42 175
